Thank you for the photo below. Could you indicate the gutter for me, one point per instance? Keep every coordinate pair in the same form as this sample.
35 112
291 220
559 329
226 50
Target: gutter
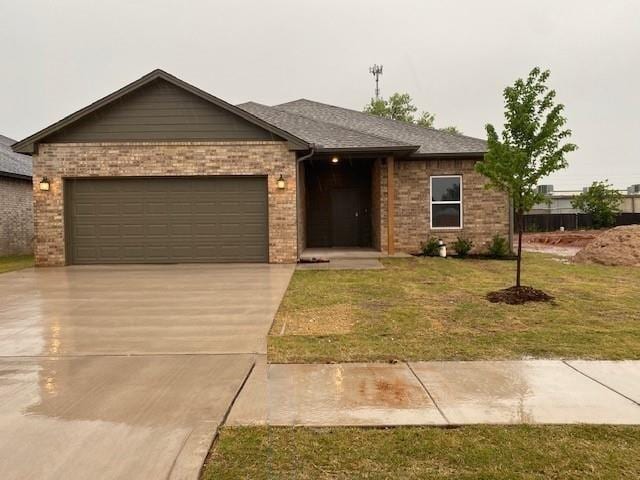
298 162
18 176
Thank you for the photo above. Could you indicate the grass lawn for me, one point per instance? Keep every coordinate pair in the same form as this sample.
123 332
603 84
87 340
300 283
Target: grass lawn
434 309
472 452
15 262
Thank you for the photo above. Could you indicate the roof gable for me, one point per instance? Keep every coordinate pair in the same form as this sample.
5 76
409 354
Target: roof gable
158 107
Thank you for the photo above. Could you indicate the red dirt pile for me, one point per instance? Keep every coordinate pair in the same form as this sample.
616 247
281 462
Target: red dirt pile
618 246
573 239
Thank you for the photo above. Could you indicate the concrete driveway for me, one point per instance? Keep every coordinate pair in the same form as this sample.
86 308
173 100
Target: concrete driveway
126 372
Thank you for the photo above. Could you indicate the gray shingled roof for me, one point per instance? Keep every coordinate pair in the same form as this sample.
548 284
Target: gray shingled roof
13 163
323 135
430 140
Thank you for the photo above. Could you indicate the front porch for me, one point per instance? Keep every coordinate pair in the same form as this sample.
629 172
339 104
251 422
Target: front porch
340 206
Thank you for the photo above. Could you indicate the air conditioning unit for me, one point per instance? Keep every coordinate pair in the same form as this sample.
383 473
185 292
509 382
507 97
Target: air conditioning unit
633 189
545 189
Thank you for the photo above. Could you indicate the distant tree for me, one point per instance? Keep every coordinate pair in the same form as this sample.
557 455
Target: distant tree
399 106
426 120
451 129
602 201
377 107
531 146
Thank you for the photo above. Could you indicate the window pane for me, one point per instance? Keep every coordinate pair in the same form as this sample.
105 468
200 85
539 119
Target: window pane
445 215
445 189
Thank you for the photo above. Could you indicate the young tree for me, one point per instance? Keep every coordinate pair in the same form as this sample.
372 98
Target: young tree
531 147
602 201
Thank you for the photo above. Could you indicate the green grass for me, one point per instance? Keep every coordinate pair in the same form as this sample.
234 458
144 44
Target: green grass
435 309
471 452
15 262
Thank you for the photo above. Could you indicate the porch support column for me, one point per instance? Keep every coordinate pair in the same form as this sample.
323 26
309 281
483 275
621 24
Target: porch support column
391 206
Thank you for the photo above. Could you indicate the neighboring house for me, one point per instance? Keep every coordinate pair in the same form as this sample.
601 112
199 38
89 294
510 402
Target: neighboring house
160 171
16 201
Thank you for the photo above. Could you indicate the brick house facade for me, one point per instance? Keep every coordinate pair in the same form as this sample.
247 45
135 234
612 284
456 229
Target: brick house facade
485 212
326 174
148 159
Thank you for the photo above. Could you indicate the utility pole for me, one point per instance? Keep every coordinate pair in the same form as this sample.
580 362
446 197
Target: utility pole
376 71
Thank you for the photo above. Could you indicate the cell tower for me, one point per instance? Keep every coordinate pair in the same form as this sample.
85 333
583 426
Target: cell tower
376 71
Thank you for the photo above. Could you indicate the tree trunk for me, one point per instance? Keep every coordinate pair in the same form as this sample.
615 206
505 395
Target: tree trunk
519 260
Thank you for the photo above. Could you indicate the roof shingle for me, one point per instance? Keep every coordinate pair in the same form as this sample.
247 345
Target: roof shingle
13 163
323 135
430 140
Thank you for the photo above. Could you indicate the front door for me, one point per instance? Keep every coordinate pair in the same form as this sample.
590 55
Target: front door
346 217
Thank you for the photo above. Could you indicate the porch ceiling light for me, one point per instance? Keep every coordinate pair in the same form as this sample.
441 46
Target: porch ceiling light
335 160
45 185
281 183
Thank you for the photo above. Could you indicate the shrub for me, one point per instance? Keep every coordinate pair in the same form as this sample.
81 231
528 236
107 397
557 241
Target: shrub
499 247
430 247
462 246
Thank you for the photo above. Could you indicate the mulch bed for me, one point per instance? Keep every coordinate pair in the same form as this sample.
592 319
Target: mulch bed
518 296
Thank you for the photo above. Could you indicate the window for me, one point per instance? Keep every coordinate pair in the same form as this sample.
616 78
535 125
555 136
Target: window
446 201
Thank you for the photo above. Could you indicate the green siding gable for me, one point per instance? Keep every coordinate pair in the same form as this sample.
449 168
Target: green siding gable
160 111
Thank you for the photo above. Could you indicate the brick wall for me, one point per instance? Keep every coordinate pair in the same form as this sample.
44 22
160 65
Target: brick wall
56 161
485 212
16 217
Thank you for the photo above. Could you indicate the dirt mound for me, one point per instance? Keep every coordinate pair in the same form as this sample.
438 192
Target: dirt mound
518 296
573 238
618 246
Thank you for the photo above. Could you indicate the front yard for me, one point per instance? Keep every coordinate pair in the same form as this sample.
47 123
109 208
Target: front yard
489 452
15 262
434 309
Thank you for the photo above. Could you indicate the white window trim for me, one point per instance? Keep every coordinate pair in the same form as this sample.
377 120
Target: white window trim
448 202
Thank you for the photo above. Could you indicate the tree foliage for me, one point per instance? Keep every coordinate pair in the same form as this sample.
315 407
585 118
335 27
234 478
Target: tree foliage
532 145
602 201
399 106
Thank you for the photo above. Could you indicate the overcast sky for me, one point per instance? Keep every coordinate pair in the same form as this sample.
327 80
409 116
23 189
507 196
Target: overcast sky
453 57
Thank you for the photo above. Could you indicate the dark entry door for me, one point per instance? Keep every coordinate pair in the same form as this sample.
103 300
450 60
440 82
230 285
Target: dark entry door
345 217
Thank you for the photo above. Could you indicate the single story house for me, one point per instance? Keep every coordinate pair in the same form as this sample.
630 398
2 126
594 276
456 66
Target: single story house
16 201
162 172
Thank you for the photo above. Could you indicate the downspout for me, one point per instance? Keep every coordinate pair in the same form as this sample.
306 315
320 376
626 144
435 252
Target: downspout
298 162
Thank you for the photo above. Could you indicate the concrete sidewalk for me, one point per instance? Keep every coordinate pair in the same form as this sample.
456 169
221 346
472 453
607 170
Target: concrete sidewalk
440 393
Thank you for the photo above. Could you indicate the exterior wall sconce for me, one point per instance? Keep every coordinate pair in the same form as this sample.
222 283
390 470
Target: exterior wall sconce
281 183
335 160
45 185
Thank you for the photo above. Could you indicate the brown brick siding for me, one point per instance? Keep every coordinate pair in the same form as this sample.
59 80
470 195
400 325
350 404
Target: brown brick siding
16 217
57 161
485 212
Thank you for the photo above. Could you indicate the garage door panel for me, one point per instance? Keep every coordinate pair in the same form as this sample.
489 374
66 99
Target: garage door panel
167 220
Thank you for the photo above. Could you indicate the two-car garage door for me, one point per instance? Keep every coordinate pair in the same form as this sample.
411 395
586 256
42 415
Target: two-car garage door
166 220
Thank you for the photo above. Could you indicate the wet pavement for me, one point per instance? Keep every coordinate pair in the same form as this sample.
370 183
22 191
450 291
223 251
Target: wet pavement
126 372
337 394
440 393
